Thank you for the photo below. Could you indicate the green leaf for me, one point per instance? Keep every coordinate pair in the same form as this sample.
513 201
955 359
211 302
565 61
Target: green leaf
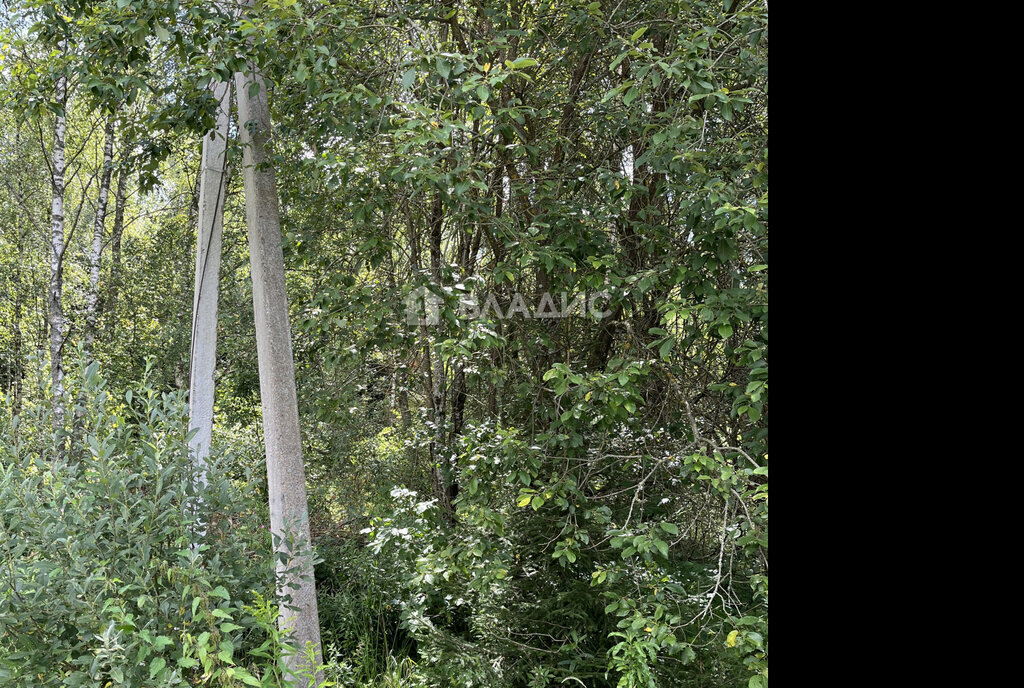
444 68
156 666
666 347
227 649
246 678
524 62
408 79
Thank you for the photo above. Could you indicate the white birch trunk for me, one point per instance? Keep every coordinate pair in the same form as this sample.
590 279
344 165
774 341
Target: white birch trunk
56 287
286 480
212 190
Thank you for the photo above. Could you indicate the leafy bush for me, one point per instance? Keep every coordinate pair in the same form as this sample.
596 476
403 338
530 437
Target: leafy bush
118 570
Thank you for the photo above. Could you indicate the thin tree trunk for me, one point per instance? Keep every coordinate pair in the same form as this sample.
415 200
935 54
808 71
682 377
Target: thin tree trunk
120 198
212 191
93 296
56 286
18 370
403 400
444 472
286 479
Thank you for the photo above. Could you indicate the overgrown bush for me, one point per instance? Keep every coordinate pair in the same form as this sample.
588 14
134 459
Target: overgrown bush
117 568
538 583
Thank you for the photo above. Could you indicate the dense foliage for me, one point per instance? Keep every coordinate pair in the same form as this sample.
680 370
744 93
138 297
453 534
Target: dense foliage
116 567
499 499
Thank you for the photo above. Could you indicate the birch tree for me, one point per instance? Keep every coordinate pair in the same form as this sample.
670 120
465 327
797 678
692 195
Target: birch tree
55 315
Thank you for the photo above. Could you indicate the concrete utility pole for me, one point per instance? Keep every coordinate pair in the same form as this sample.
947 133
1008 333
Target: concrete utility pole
286 478
212 189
